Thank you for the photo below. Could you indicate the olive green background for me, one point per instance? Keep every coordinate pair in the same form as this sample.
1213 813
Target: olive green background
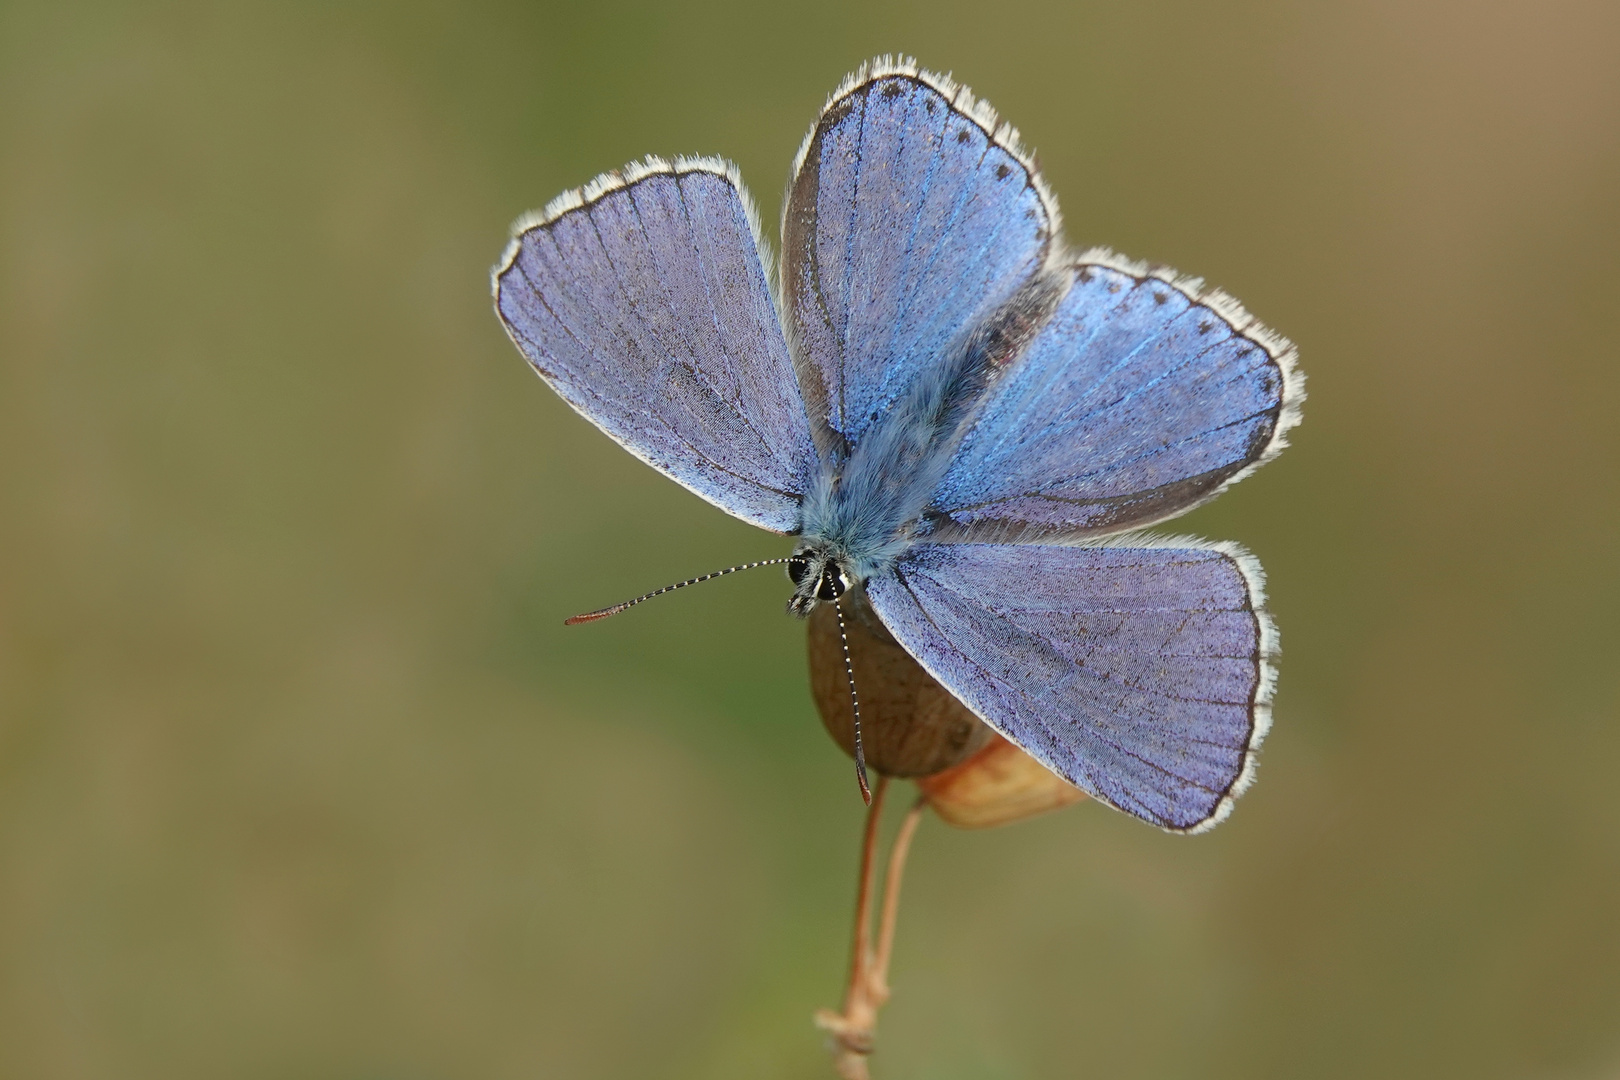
300 775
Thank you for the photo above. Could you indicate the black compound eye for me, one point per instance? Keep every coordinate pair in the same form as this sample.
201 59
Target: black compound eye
797 567
832 585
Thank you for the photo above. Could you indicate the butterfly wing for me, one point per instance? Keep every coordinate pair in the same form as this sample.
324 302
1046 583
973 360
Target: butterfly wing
1141 674
911 216
1140 398
643 301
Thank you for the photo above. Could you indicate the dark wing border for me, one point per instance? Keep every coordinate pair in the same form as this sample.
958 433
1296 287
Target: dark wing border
621 179
960 98
1267 648
628 176
975 110
1282 351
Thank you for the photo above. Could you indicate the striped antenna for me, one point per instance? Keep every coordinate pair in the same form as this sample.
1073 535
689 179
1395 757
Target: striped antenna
602 613
855 706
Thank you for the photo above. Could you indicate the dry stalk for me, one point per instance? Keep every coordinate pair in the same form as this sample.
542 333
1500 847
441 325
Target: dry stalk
854 1030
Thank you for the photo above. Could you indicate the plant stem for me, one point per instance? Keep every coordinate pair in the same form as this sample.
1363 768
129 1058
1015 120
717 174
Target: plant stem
891 898
854 1029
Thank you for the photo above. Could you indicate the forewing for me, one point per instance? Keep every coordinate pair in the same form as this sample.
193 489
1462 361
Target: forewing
643 301
1140 398
911 216
1140 674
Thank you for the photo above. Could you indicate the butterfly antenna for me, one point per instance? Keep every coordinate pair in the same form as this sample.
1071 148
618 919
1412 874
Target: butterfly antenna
855 705
602 613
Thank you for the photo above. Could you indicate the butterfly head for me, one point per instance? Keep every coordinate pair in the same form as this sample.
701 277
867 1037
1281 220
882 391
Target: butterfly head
818 576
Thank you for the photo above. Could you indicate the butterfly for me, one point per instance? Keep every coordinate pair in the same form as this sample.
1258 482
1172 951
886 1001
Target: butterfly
954 413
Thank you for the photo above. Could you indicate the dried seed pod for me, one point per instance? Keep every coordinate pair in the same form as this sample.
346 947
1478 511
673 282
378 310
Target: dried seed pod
910 725
996 786
913 727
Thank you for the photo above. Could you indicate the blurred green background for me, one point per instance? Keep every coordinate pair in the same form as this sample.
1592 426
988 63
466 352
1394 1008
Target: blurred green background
300 775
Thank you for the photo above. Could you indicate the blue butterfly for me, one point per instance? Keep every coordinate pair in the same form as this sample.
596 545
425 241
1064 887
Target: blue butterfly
952 411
